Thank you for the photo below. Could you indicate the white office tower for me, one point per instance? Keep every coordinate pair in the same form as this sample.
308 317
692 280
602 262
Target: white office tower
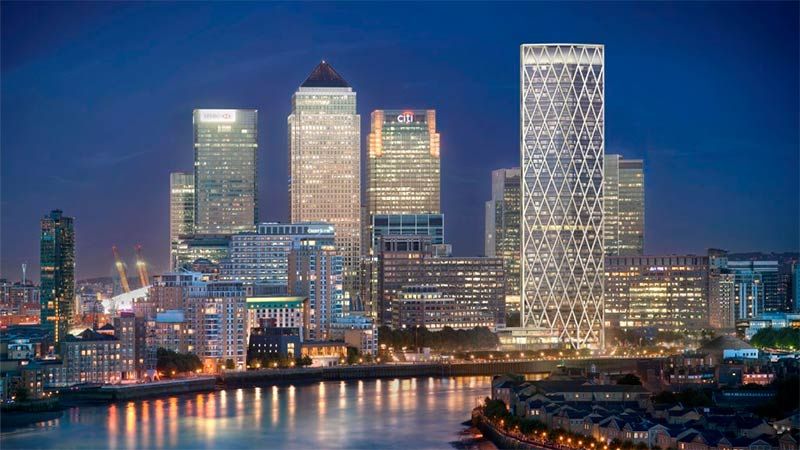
562 145
325 161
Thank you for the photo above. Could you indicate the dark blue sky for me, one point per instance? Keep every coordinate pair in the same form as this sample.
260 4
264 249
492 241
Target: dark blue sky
97 101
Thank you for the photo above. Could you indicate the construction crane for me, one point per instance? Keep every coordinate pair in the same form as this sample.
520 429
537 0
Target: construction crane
141 266
123 277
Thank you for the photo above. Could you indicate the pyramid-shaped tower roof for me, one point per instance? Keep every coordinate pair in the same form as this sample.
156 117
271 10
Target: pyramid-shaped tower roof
324 76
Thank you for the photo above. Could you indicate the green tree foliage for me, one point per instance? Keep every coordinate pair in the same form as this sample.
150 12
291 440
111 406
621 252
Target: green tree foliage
782 338
21 393
630 380
688 398
170 361
274 360
448 339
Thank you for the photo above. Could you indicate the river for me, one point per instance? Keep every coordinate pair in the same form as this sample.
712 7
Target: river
413 413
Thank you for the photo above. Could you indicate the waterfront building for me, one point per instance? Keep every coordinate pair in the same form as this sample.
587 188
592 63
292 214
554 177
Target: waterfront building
624 206
181 208
666 293
262 258
427 307
170 330
225 163
131 332
218 317
356 331
91 357
757 287
324 353
562 147
188 249
280 312
325 162
267 340
57 277
476 283
403 168
316 273
502 229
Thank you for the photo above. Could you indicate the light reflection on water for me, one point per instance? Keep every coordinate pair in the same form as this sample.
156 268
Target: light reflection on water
391 413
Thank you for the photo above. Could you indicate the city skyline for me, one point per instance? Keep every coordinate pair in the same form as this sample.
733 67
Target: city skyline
116 201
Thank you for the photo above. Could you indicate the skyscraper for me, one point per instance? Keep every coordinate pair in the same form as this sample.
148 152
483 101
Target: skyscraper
325 161
562 146
181 208
57 256
502 229
225 148
624 206
403 163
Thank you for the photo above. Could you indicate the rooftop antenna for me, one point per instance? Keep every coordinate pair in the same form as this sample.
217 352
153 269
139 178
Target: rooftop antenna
24 273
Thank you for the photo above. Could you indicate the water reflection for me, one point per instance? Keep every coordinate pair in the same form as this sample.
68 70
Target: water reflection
412 413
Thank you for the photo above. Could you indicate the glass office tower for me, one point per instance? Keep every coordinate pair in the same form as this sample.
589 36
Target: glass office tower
624 206
502 229
181 209
403 165
57 278
225 148
562 146
325 161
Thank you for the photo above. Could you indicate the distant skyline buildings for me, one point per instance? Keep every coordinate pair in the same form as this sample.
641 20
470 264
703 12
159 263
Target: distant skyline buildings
325 161
57 276
181 208
624 206
225 170
562 146
502 229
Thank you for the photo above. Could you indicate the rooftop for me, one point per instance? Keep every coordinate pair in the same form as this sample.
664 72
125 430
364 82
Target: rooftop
324 76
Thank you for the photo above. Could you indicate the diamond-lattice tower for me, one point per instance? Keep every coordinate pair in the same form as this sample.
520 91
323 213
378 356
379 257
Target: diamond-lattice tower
562 146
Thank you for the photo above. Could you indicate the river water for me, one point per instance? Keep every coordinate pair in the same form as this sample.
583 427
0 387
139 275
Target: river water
413 413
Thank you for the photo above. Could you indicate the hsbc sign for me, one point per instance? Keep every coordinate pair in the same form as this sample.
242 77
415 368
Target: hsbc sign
218 115
406 117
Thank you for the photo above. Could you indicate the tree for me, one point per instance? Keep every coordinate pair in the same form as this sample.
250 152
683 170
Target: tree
171 363
630 380
229 364
21 393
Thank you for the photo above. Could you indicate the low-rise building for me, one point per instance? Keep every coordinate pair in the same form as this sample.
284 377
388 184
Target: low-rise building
91 357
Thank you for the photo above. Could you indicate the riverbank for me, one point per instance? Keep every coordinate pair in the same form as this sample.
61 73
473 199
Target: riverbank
500 438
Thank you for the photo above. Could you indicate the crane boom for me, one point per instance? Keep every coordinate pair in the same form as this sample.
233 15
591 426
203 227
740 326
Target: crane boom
123 276
141 266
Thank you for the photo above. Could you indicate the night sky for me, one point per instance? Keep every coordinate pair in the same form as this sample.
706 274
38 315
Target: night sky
97 103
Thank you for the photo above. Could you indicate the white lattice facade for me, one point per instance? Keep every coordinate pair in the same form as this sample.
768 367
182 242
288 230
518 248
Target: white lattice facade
562 147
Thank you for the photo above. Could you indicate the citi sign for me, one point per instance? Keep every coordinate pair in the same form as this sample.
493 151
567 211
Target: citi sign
406 117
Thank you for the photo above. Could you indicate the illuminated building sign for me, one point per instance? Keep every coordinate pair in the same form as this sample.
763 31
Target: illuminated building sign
406 117
218 115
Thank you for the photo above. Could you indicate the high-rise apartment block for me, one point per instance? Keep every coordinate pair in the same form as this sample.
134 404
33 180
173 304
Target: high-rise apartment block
262 258
403 169
325 161
57 278
666 293
316 273
502 229
624 206
225 163
562 147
